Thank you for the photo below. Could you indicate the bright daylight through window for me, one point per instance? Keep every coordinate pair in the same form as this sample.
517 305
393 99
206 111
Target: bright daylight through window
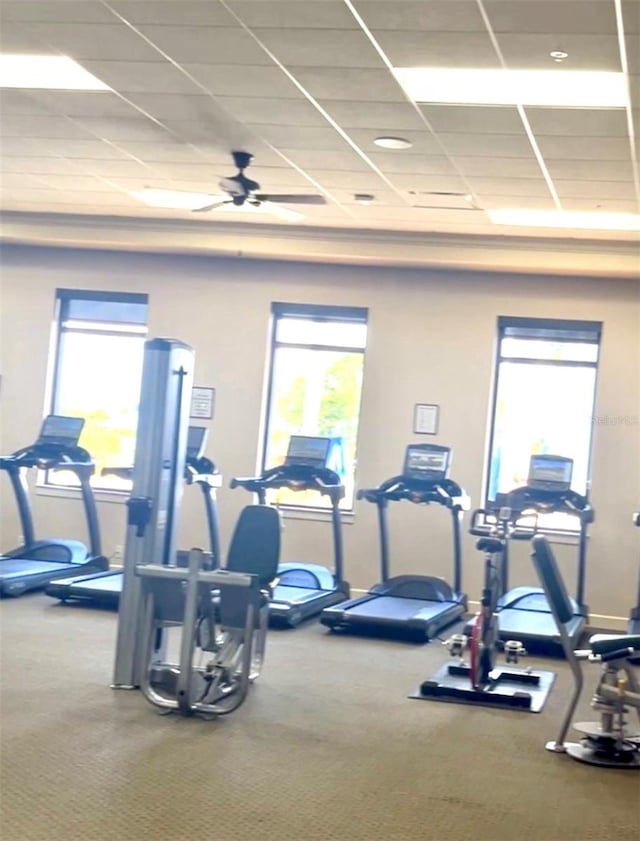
315 386
97 375
543 402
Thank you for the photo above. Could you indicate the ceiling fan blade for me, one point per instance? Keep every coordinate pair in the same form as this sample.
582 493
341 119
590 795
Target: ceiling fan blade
290 198
218 200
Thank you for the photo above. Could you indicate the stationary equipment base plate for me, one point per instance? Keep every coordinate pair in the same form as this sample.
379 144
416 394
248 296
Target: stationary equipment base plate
516 689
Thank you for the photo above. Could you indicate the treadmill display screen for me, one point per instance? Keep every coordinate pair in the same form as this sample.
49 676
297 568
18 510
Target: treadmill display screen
196 440
427 462
60 431
551 473
309 450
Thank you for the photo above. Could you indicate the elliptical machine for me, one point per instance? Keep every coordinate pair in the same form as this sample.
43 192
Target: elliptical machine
478 680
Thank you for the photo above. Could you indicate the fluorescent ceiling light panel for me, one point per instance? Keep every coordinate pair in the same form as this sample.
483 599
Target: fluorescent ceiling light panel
567 219
173 199
545 88
57 72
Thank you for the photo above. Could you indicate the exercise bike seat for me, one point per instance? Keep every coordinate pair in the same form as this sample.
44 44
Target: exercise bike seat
607 643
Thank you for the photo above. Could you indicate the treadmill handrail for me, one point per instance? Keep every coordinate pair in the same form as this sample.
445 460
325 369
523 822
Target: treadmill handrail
444 492
295 478
541 501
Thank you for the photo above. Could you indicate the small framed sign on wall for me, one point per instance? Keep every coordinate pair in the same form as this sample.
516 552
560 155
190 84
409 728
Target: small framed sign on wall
202 402
426 417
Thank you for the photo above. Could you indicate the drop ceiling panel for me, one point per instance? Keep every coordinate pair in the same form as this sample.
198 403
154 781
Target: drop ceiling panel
14 182
382 117
27 147
383 198
166 152
349 84
117 128
390 162
405 181
631 16
437 49
73 183
117 169
575 170
584 148
321 48
13 125
473 119
489 145
99 42
595 189
617 205
173 12
18 102
292 14
196 108
155 76
586 52
563 17
83 103
514 187
56 11
314 159
356 182
303 137
248 80
507 167
14 38
227 45
257 110
35 165
587 122
421 16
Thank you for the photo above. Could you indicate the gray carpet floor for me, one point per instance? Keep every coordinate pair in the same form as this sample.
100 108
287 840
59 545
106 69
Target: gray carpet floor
327 747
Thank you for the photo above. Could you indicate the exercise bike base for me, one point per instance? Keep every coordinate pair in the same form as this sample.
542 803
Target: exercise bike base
516 689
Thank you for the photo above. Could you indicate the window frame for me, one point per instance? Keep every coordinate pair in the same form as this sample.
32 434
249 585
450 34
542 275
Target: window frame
63 301
551 330
309 312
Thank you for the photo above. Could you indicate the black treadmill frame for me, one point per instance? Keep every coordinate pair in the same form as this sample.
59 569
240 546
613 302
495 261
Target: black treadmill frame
427 589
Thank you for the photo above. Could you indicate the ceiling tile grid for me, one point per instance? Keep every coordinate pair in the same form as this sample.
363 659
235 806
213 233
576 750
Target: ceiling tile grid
306 87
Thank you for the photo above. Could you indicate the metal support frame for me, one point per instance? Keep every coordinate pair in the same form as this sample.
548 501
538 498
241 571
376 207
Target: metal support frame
161 443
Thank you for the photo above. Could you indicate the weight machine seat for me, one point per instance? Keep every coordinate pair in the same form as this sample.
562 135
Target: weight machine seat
255 544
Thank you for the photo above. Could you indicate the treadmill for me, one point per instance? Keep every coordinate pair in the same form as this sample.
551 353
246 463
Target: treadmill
634 616
303 589
413 606
104 588
35 563
524 613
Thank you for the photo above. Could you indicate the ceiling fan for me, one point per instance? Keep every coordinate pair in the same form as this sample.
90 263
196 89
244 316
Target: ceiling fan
240 190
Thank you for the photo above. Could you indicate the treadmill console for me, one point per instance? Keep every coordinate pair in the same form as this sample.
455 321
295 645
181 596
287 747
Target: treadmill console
308 451
426 462
550 473
60 431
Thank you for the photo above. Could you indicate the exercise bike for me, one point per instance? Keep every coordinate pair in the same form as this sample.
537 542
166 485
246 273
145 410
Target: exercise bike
479 680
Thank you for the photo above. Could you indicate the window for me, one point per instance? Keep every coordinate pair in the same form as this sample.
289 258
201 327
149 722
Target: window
543 402
97 374
315 386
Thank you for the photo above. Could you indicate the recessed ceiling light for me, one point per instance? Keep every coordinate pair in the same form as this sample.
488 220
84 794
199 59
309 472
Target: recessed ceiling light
550 88
363 198
393 142
567 219
558 55
58 72
173 199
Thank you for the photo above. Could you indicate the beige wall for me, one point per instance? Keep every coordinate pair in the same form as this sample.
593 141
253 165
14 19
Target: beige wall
431 339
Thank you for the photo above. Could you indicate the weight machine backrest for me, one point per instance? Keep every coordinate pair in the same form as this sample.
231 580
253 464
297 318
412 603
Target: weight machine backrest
551 579
255 545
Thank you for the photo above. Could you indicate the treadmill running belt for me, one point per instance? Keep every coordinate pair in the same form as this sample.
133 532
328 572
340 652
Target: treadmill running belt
522 624
108 583
24 567
397 609
297 595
